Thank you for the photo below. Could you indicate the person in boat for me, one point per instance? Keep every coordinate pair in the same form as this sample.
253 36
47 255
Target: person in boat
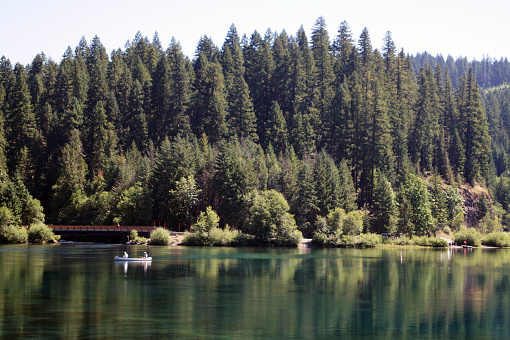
125 255
145 255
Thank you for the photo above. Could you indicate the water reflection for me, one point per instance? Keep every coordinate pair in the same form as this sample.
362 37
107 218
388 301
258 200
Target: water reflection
76 291
126 264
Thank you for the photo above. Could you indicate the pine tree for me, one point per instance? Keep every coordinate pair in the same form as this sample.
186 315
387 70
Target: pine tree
383 208
476 138
214 121
22 132
234 180
180 90
276 129
304 204
323 82
96 139
281 79
159 121
3 140
328 185
71 180
97 64
242 120
426 125
343 48
137 120
260 87
174 161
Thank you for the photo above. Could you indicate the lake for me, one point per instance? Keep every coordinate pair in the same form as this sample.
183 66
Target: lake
77 291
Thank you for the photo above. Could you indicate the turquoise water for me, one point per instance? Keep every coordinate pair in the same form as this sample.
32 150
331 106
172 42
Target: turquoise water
77 291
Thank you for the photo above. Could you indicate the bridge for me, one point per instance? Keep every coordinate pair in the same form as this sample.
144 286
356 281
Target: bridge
108 234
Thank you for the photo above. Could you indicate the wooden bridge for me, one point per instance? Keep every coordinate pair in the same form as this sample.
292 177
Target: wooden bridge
105 229
99 233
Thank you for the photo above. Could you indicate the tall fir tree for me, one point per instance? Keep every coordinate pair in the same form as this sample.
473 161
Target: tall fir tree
476 135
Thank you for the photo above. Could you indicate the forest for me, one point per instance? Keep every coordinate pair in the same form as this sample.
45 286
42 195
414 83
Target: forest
321 128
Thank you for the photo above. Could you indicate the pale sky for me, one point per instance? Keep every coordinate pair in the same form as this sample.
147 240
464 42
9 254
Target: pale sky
465 28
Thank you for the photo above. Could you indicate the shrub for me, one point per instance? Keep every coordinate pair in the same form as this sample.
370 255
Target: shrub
221 237
206 221
13 234
470 237
134 238
353 223
133 234
320 238
497 239
370 240
218 237
438 242
41 233
403 241
160 236
9 232
423 241
196 239
271 220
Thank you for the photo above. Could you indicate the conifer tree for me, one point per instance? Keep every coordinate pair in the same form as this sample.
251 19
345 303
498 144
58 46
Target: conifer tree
3 141
233 181
71 179
304 206
281 79
242 120
426 125
323 82
476 137
96 139
276 129
180 90
21 126
97 63
159 121
328 185
260 87
137 120
384 208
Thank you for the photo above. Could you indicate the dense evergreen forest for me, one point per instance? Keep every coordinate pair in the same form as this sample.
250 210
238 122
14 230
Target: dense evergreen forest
144 135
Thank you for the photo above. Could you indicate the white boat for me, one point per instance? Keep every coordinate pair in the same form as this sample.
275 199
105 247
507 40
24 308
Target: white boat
119 258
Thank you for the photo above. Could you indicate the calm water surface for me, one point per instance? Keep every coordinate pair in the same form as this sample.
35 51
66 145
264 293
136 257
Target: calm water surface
77 291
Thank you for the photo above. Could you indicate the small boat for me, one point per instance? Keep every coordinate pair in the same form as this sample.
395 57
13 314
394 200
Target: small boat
120 258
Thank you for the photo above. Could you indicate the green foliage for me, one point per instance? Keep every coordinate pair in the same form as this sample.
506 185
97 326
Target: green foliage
271 221
133 234
184 199
497 239
160 236
360 241
99 139
431 242
415 215
384 208
9 231
353 223
454 202
403 241
469 237
134 238
41 233
218 237
206 221
134 205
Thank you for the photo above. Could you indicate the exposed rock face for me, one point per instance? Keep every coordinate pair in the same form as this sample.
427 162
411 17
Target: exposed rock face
472 196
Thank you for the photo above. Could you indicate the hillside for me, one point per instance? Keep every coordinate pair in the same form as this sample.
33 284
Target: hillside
146 136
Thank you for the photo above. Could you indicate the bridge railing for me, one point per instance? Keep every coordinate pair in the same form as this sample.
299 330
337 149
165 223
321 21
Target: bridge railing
99 229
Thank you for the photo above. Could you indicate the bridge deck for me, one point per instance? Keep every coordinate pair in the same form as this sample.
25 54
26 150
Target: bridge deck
90 229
